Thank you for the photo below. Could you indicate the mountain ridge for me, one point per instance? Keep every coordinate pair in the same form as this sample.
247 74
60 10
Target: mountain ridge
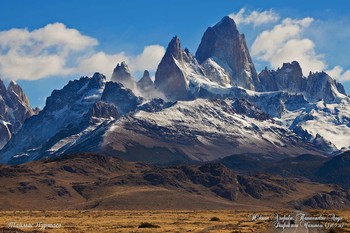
204 115
95 181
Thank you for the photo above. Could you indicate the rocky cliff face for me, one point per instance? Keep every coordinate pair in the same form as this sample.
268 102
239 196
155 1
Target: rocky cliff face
320 86
180 77
5 133
170 78
288 78
124 99
225 46
104 110
14 110
267 81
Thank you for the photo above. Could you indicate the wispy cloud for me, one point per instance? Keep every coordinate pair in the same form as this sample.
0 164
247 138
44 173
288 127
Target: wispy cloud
56 50
255 18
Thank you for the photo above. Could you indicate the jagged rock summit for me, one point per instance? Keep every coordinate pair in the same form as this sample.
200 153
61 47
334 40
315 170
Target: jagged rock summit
224 45
222 61
170 78
289 78
121 73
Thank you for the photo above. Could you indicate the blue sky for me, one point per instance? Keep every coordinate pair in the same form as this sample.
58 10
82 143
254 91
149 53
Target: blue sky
105 32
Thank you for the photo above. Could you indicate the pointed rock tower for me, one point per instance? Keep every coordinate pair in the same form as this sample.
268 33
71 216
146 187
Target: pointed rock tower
223 44
14 88
19 102
145 83
170 78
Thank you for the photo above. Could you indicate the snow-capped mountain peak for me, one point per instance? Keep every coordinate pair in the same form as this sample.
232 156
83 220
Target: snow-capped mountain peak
214 105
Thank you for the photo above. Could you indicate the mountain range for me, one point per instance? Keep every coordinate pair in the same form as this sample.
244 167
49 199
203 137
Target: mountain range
201 107
93 181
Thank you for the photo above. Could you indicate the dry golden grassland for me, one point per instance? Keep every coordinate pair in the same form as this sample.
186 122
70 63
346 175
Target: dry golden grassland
341 222
129 221
220 221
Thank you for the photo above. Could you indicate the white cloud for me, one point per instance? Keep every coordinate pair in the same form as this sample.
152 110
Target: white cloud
15 65
285 43
56 50
40 53
148 59
52 36
256 18
339 74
